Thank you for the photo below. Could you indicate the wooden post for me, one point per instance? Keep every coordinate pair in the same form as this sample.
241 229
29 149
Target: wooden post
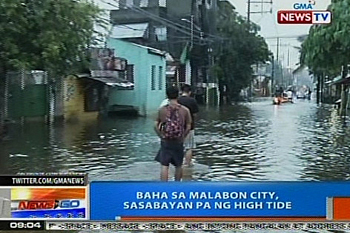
322 88
318 89
343 94
343 100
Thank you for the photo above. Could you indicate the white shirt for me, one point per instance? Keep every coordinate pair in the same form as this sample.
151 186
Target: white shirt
164 102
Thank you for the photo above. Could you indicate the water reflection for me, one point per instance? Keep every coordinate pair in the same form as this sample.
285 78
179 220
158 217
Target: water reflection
251 141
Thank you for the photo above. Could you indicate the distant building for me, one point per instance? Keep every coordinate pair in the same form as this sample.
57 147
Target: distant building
81 97
146 69
184 28
262 79
301 77
86 95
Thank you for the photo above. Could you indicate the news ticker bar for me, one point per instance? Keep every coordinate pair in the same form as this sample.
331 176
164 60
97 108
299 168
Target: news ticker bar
138 226
324 200
44 180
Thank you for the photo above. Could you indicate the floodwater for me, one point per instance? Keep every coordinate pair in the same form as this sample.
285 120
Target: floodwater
254 141
244 142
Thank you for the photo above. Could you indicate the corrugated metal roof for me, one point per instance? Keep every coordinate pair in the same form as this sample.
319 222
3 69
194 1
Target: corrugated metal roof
129 30
340 80
150 49
168 57
109 81
113 81
299 68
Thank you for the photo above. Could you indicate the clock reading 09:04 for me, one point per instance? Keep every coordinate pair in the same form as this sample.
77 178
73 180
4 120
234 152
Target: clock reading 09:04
26 225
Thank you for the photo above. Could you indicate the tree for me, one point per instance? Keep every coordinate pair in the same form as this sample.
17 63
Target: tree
327 47
240 49
45 34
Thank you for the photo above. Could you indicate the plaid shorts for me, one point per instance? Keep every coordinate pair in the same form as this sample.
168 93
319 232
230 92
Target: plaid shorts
189 142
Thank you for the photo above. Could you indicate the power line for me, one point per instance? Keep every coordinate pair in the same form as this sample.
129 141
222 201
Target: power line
161 21
135 29
164 21
284 45
283 37
248 20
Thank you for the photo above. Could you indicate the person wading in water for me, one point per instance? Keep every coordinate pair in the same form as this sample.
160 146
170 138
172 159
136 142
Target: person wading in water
172 125
189 102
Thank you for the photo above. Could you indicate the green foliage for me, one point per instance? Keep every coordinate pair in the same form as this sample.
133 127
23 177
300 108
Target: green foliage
241 48
49 35
327 47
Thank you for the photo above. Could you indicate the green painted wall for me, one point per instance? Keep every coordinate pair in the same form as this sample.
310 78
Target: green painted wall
142 97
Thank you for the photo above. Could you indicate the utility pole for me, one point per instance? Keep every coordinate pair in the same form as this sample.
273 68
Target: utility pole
248 12
272 74
288 66
251 82
192 31
277 53
248 20
258 12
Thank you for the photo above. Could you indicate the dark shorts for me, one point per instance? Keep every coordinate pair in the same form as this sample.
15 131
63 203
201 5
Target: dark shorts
171 152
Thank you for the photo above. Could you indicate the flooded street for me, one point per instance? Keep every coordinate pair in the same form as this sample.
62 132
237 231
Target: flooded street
244 142
271 161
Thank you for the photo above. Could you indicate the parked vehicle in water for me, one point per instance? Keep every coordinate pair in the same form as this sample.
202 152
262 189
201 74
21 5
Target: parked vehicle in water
301 94
289 95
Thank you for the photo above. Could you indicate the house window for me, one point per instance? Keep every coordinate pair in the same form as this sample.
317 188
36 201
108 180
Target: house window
161 33
144 3
160 80
92 98
130 73
153 78
162 3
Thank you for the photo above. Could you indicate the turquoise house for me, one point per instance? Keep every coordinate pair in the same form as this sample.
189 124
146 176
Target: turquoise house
146 68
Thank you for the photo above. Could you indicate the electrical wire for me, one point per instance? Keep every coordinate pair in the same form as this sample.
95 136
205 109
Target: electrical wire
167 22
133 9
135 29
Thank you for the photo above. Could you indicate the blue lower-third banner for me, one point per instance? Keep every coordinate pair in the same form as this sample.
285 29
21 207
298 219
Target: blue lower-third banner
222 200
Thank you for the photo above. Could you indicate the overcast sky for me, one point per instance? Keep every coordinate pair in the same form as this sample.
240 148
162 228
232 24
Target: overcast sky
270 29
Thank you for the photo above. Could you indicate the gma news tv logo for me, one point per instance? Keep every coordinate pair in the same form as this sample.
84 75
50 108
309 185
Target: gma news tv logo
303 13
304 6
304 17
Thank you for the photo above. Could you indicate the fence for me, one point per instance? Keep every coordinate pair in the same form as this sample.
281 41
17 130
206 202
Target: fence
25 94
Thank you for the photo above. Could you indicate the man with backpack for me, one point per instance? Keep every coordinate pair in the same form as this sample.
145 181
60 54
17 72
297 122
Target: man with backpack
190 103
172 125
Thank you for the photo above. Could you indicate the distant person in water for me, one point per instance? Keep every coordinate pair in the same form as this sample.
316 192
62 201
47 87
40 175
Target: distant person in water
186 100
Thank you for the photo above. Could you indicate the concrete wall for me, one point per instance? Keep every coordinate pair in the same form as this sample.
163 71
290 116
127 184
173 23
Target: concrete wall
142 97
5 203
73 100
127 16
180 8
